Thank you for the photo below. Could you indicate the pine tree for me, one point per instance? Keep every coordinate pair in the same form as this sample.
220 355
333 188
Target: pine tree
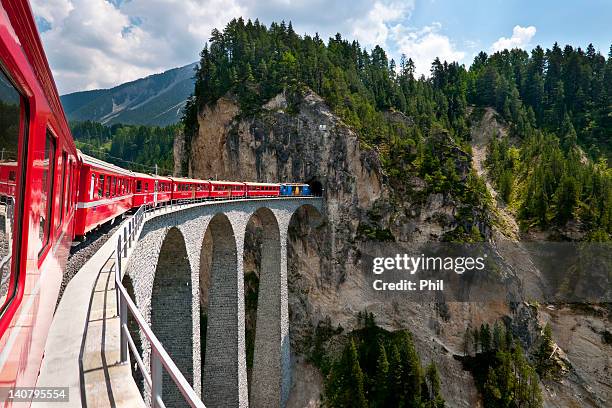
381 388
434 396
485 337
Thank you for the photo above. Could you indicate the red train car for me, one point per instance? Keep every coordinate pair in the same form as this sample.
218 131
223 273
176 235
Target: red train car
144 190
163 188
40 202
183 188
227 189
262 189
8 176
202 189
105 192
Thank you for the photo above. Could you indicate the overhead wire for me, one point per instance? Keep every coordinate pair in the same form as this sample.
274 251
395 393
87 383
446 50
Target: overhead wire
144 166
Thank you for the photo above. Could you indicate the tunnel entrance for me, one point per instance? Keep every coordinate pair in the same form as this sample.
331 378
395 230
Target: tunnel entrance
316 187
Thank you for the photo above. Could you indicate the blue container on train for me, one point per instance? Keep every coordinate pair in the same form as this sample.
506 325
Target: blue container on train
295 189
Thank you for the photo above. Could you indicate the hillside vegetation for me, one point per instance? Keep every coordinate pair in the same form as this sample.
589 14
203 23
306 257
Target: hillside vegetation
558 103
138 148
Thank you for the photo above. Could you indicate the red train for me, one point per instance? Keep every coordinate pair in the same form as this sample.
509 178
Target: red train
39 172
105 190
50 193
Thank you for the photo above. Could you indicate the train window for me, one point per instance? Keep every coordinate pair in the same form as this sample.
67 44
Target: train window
138 186
107 188
101 186
92 185
62 185
68 188
45 210
12 108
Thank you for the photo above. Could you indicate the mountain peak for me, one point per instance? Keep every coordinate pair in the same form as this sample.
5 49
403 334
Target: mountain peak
157 100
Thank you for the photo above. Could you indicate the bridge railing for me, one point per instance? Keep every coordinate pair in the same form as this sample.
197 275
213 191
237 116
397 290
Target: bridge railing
160 359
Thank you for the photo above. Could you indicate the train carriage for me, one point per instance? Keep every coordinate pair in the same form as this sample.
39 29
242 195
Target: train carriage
202 189
105 193
183 189
8 176
227 189
295 189
144 190
262 189
163 190
40 196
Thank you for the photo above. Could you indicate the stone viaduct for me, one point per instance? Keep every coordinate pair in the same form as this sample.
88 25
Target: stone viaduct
187 278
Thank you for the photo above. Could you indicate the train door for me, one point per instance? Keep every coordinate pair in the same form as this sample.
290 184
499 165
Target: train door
92 186
155 193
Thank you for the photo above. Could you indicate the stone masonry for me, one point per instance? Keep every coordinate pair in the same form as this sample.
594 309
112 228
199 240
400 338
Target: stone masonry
169 248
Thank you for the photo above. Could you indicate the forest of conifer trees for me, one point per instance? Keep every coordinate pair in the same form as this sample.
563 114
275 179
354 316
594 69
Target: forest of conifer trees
138 148
551 169
557 103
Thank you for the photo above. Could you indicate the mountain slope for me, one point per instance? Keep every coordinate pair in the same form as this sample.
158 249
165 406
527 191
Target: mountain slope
155 100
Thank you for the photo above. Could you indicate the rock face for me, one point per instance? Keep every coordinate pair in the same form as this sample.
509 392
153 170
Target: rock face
300 139
304 141
312 145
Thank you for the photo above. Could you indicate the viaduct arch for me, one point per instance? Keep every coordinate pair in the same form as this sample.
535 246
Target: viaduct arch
197 254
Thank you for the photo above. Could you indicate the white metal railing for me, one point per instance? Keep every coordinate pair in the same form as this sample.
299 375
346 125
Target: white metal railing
160 359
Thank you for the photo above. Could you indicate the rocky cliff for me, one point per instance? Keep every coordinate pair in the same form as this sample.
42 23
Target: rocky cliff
298 138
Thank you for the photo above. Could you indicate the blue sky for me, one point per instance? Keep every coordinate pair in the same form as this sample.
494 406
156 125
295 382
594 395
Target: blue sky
574 22
102 43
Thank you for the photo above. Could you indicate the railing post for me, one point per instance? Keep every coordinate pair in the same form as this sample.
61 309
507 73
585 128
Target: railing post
125 241
130 234
118 272
119 252
156 379
123 327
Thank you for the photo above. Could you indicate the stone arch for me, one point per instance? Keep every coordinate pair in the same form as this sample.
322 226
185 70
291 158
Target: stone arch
304 230
224 374
171 311
306 221
270 372
134 331
204 277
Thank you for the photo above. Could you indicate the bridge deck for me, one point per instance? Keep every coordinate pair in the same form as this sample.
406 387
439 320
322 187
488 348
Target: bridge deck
82 348
88 354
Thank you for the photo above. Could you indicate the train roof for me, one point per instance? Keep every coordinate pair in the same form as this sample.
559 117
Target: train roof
92 161
186 180
145 175
226 182
249 183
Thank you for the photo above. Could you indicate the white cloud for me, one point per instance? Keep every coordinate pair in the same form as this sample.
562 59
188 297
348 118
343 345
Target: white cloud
52 10
102 43
521 36
424 45
95 44
373 29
